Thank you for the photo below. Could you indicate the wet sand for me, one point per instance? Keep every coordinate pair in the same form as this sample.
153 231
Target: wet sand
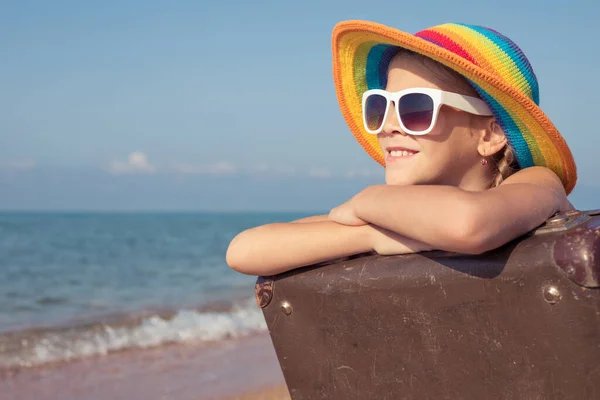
235 369
271 393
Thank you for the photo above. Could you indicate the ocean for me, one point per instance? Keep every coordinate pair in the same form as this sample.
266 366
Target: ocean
75 285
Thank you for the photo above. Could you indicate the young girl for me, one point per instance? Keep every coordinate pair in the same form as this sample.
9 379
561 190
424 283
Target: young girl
471 161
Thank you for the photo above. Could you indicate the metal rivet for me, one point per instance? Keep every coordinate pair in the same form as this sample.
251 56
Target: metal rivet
570 270
552 295
557 219
286 308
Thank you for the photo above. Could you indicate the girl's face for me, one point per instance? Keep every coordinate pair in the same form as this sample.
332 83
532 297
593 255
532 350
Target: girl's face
448 155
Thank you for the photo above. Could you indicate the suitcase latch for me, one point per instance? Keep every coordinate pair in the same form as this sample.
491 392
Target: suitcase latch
263 290
563 221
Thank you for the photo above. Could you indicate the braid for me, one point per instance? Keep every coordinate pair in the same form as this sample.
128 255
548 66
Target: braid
505 165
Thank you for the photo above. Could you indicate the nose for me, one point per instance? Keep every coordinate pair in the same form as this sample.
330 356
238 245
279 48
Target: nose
391 125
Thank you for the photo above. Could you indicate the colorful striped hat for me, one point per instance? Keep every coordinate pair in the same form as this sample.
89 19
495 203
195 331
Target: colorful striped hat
492 63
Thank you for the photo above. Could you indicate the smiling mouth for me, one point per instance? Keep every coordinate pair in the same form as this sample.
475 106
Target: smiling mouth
400 152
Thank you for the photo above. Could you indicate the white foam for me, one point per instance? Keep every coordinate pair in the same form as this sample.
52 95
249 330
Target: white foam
185 326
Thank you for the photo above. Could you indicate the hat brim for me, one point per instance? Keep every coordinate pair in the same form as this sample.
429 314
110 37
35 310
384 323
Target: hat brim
351 43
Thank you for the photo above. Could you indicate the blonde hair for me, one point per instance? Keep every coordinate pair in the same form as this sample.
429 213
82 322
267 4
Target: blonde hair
453 79
505 165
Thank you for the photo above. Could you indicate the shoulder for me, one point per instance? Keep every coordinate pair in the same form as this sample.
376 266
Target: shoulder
541 177
536 175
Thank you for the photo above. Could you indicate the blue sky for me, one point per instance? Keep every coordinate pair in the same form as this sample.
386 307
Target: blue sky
230 105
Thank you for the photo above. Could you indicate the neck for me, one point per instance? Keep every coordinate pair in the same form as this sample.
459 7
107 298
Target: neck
477 178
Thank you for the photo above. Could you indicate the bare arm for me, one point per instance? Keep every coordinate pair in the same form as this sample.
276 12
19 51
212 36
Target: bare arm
449 218
314 218
275 248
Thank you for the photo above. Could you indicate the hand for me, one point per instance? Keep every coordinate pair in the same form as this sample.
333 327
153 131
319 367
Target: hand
387 243
344 214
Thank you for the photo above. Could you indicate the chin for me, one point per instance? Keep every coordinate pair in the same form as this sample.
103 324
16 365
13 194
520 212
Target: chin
410 177
399 179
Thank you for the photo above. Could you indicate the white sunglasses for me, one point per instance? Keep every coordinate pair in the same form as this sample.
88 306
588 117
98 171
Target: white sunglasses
417 109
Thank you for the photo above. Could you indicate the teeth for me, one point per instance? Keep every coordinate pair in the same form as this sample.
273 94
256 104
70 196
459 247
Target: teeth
400 153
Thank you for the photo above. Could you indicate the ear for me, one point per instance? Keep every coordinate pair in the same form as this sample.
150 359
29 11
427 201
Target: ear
491 139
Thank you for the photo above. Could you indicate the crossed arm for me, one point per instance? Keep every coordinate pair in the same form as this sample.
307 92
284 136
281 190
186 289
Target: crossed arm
404 219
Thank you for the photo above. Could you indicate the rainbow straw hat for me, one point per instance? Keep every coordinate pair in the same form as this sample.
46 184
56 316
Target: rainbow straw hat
491 62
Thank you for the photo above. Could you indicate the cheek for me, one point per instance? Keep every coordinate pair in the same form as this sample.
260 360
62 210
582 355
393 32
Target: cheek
445 124
436 158
380 142
452 138
443 154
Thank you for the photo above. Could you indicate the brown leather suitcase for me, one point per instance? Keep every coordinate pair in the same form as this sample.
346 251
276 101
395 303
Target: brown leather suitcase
520 322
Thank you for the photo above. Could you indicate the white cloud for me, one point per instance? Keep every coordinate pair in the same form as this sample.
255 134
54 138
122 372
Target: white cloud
137 163
261 167
322 173
219 168
270 169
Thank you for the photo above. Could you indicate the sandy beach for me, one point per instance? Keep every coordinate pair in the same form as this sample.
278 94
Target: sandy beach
279 392
244 369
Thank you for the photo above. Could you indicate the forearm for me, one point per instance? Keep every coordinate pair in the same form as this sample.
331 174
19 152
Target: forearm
437 215
314 218
452 219
276 248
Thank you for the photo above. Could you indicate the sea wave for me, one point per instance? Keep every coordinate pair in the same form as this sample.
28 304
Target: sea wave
39 347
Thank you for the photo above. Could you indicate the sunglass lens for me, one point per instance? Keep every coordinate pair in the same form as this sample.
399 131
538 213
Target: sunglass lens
375 106
416 111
